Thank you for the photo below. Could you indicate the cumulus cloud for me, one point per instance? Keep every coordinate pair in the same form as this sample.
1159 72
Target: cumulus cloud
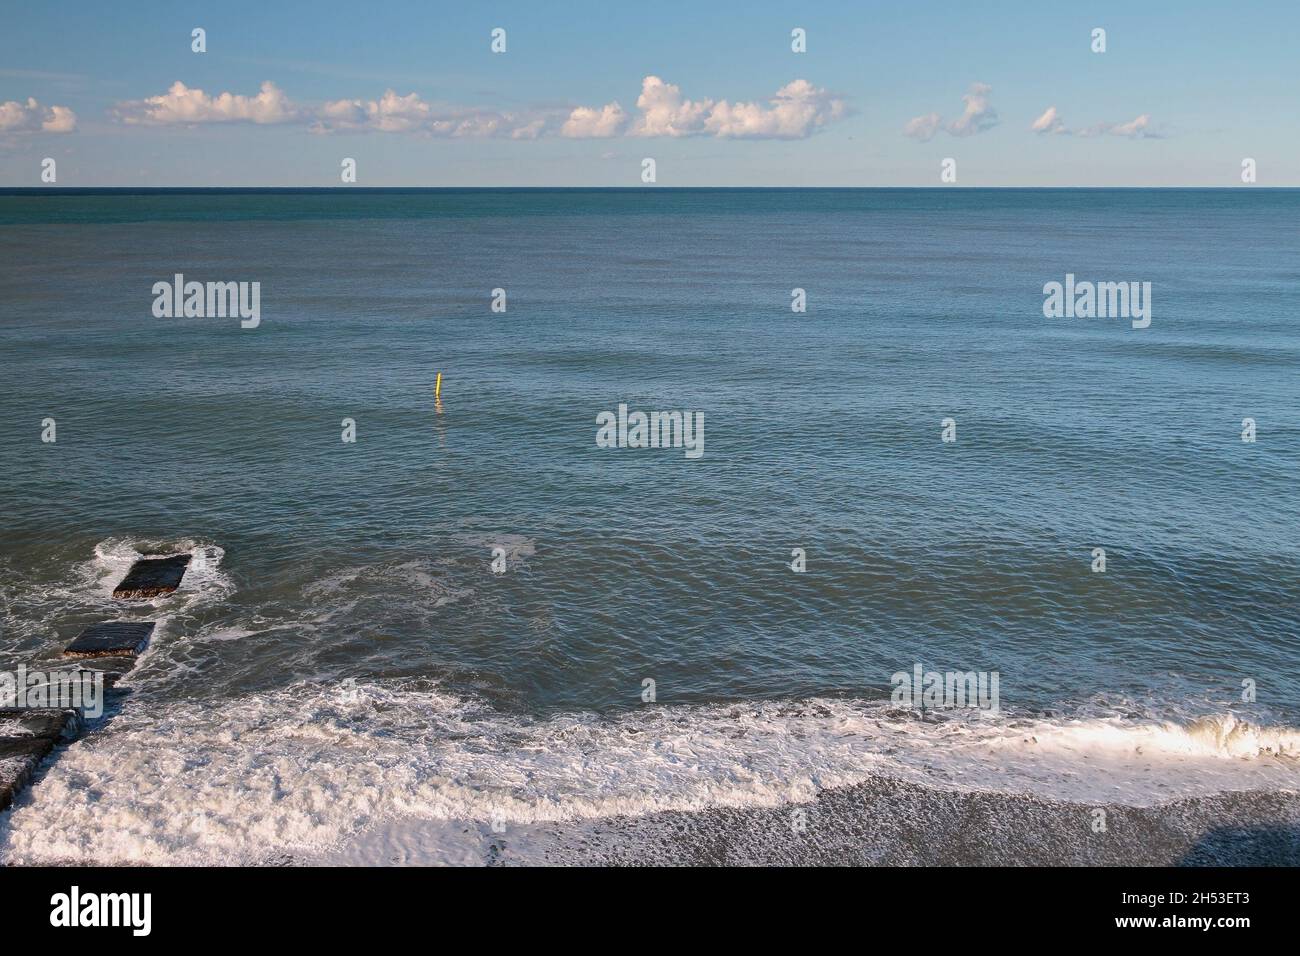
59 120
1137 128
978 116
586 122
392 113
795 111
665 112
31 117
388 114
182 105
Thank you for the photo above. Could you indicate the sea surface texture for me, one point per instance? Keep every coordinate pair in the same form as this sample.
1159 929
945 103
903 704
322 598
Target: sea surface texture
344 675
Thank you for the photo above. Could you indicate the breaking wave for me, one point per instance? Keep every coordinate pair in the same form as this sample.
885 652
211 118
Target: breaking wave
307 768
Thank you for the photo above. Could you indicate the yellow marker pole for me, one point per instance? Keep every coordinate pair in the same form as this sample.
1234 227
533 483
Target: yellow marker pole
437 388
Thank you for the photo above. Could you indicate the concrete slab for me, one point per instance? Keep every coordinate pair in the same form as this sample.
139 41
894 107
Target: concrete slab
112 639
72 686
150 577
22 722
26 738
112 669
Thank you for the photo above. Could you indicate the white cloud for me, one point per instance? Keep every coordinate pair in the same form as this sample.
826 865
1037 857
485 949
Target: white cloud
977 117
922 127
530 130
342 114
795 111
1049 122
665 112
392 113
60 119
587 122
31 117
181 105
1137 128
388 114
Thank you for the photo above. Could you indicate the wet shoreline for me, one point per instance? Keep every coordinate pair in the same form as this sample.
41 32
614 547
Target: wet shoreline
882 822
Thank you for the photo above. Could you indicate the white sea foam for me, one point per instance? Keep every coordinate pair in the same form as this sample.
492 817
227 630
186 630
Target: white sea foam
1221 736
204 582
308 768
85 589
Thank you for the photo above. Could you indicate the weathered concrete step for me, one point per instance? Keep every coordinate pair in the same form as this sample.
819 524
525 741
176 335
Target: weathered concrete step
26 738
112 639
150 577
111 667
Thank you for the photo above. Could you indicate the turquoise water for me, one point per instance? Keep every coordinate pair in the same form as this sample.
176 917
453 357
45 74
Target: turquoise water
372 561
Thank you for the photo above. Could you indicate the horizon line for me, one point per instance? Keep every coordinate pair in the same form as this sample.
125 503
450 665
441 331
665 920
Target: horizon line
67 190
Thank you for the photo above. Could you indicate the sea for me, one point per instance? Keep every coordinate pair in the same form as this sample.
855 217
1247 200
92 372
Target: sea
474 634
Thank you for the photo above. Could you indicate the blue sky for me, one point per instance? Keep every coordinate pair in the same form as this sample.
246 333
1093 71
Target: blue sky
1182 94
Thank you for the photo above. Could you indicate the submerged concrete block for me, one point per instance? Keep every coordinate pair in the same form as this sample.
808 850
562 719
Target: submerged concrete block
150 577
112 669
41 722
69 687
26 738
19 758
111 639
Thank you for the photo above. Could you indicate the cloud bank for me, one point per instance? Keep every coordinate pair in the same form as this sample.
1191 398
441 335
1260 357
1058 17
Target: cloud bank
181 105
31 117
410 114
795 111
